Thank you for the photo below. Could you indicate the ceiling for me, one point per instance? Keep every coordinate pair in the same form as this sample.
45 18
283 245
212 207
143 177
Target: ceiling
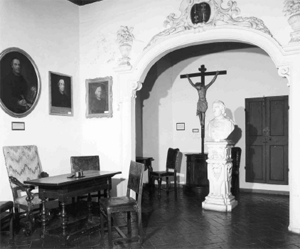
83 2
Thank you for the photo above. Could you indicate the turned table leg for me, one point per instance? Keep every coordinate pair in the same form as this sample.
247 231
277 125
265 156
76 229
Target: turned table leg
43 217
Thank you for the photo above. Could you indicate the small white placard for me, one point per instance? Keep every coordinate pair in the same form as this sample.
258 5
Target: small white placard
18 126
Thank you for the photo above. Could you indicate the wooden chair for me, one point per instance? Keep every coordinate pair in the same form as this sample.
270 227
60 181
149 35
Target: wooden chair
23 163
174 158
6 217
235 178
109 206
86 163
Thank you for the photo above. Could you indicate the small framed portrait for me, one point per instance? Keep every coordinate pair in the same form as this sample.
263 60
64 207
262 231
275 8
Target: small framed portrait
60 94
20 83
99 97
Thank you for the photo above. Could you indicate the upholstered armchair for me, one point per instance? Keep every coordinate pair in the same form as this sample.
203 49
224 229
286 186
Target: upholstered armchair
23 163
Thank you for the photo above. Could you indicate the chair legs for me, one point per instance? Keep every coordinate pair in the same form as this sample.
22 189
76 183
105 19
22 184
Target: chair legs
11 228
7 217
140 228
110 242
159 181
159 187
129 227
129 223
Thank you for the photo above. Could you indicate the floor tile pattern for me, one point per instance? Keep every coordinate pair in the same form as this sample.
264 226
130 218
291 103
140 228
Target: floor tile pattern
259 221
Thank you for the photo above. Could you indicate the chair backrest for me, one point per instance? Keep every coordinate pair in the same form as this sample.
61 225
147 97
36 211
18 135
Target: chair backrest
23 163
236 157
84 163
135 179
174 158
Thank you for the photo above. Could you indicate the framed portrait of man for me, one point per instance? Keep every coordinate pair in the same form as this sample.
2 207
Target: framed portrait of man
20 83
99 97
60 94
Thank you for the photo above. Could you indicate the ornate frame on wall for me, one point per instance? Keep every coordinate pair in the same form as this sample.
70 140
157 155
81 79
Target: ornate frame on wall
19 88
99 97
60 99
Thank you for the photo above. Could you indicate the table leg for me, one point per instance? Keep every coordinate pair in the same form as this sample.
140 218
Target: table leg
108 190
89 204
64 221
43 217
150 170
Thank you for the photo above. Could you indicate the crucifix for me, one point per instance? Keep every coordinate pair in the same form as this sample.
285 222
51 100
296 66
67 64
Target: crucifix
201 89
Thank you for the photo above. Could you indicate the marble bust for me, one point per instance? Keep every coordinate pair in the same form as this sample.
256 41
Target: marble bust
220 126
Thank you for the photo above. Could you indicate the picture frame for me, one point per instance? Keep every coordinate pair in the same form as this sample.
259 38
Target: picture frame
99 97
180 126
20 82
60 94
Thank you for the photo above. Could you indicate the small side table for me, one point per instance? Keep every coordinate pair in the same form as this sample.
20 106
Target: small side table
148 165
196 175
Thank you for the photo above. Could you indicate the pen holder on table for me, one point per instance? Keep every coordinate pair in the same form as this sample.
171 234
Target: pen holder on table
79 174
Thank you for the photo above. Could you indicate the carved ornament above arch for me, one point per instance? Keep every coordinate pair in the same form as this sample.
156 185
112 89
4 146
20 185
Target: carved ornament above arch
201 15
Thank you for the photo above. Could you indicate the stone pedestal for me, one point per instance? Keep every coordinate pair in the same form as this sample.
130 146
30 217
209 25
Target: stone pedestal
219 169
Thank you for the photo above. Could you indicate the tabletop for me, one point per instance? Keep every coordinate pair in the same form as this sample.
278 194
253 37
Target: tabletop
60 180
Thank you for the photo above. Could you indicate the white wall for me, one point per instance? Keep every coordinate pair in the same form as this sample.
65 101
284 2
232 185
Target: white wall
80 42
245 78
49 32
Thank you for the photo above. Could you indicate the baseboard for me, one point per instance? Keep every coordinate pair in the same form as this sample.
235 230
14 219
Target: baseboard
261 191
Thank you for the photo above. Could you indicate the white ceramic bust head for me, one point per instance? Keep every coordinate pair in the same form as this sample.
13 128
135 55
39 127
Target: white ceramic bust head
220 126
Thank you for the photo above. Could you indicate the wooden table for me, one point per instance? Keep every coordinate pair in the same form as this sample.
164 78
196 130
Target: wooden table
63 188
148 165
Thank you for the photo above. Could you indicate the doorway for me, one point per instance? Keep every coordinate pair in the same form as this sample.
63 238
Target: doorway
166 100
267 140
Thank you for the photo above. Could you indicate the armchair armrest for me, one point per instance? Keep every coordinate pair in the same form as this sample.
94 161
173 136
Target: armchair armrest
23 187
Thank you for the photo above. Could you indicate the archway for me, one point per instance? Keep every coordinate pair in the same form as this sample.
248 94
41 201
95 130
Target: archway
284 61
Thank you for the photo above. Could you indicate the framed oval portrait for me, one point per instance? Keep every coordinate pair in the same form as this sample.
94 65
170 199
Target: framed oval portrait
20 83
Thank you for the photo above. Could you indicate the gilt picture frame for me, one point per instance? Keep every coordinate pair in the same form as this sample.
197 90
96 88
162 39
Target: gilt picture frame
20 82
60 94
99 97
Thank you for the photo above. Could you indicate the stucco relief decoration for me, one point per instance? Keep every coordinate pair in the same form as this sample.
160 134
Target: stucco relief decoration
218 153
105 50
284 71
217 170
202 15
229 173
125 39
291 9
136 86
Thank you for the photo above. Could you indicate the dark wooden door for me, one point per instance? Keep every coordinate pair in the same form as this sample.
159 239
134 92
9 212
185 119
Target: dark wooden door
267 140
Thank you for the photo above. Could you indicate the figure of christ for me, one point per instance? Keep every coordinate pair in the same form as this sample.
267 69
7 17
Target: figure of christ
202 102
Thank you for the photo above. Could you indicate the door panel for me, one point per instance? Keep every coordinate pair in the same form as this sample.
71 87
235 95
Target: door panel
267 137
255 172
276 162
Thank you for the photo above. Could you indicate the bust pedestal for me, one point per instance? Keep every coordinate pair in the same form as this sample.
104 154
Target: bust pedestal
219 169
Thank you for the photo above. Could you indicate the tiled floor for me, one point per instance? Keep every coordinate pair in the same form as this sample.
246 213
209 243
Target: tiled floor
259 221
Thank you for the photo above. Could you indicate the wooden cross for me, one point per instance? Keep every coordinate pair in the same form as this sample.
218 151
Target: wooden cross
203 88
202 74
